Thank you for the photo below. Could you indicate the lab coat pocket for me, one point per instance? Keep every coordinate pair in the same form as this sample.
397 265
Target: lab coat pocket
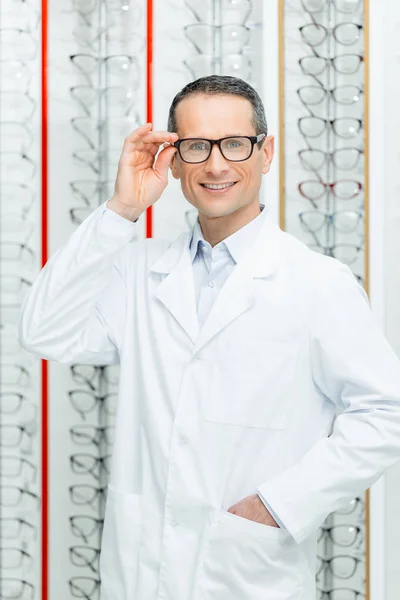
250 382
245 559
120 545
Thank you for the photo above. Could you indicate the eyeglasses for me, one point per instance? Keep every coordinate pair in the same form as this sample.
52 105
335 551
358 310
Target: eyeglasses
315 34
88 373
15 558
312 95
16 136
341 535
343 6
14 374
340 593
12 495
345 159
234 149
345 189
232 37
83 556
12 588
346 64
83 587
86 464
12 435
118 99
93 131
84 526
15 76
12 251
120 65
17 106
16 528
17 167
341 566
86 494
87 190
231 12
345 221
17 43
351 506
84 402
201 65
13 466
12 402
89 434
346 253
343 127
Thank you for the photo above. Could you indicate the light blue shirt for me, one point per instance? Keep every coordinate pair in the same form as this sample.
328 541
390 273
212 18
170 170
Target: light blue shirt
212 267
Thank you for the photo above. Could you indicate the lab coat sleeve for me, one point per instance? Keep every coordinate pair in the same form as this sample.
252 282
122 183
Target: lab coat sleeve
355 367
75 310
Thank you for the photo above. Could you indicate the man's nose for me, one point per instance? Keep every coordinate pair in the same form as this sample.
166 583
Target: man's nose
216 163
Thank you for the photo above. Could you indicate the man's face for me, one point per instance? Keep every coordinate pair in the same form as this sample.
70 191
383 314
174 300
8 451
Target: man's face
214 117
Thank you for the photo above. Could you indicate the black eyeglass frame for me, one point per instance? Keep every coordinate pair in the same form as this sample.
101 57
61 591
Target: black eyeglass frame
254 139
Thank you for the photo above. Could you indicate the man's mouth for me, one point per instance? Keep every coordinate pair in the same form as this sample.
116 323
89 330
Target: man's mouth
218 186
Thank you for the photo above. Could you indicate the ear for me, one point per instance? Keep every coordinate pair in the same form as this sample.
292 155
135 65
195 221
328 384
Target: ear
268 152
174 166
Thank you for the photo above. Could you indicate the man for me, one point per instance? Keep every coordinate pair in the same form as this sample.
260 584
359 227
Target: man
257 394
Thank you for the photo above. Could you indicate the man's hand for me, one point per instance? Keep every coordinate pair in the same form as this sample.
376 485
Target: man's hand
253 509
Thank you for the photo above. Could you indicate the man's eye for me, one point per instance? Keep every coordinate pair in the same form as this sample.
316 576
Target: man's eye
235 144
198 146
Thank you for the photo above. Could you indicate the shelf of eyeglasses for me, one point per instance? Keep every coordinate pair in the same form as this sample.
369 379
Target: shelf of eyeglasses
84 587
119 68
340 593
341 567
206 11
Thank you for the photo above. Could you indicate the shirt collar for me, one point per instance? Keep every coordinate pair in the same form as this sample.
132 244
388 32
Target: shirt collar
236 244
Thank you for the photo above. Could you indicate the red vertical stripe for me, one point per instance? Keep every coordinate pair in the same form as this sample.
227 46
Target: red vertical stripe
149 97
44 365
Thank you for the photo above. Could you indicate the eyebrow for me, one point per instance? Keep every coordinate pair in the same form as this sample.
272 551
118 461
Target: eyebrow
204 137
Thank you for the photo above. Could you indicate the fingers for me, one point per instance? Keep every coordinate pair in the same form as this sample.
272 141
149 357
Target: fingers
145 135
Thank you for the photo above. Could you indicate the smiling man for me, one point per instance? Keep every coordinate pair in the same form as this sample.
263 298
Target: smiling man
257 393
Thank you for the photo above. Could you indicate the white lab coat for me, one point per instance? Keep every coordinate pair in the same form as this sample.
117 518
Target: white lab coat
289 388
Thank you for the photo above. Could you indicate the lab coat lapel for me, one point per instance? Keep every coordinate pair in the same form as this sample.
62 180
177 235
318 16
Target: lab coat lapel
177 292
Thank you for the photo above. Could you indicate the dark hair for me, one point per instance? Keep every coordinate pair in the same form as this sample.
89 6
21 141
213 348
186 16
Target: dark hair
222 85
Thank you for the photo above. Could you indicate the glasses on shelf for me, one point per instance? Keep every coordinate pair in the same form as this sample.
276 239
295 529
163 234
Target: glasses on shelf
118 100
17 107
345 221
17 167
344 189
15 76
17 44
234 149
351 507
17 200
15 558
84 587
236 12
16 137
89 464
96 160
313 95
232 38
85 526
14 374
83 494
345 159
13 402
201 65
346 34
342 6
12 588
15 528
345 64
13 435
15 466
120 65
85 435
344 127
340 593
93 131
341 535
17 253
87 190
84 402
84 556
341 566
12 495
346 253
92 375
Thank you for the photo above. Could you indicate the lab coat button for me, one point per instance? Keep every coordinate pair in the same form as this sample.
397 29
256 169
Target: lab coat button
182 440
211 283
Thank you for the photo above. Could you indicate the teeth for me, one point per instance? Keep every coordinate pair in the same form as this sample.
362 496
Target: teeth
219 186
